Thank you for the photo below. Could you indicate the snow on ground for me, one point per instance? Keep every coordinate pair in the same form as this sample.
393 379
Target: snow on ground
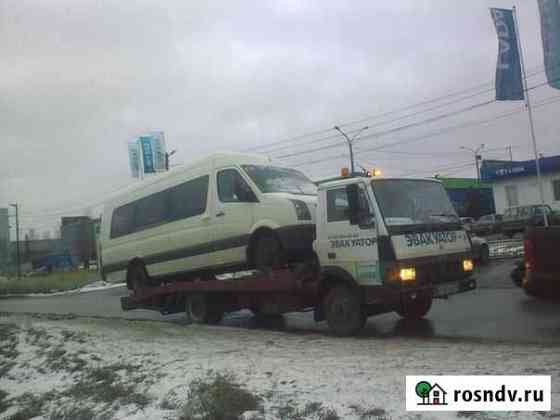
90 287
155 362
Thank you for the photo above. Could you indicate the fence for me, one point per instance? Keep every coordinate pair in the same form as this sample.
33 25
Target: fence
506 248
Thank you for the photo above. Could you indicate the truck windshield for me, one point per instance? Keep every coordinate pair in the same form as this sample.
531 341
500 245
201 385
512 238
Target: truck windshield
270 179
413 202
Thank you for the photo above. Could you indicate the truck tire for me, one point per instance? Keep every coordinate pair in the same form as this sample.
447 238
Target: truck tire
201 311
268 252
416 309
344 311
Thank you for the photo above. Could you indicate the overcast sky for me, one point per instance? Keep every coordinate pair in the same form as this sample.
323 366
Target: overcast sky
82 78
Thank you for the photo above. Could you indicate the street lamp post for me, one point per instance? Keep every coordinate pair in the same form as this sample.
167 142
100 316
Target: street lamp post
350 142
18 260
477 157
167 156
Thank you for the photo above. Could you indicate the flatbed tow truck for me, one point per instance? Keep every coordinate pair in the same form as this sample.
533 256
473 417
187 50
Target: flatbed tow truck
381 245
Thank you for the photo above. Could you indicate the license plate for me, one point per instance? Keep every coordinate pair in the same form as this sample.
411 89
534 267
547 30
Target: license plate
447 289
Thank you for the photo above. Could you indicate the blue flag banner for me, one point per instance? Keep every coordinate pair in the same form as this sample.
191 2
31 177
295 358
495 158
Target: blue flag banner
147 154
550 32
509 83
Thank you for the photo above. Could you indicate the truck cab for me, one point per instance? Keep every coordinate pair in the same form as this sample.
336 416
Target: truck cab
387 244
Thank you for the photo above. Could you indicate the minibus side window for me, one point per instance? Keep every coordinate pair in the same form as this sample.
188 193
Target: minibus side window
151 210
188 199
122 222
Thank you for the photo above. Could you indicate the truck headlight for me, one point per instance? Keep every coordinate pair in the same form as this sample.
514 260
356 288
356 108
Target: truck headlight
468 265
408 274
302 211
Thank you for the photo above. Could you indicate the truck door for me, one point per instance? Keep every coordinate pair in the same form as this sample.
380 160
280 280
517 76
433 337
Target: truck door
233 218
351 247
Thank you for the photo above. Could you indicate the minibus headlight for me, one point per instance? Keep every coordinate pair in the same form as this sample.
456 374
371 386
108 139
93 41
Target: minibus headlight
407 274
302 211
468 265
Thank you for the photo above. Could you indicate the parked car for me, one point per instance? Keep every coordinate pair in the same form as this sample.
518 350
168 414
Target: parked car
480 249
227 212
517 218
487 224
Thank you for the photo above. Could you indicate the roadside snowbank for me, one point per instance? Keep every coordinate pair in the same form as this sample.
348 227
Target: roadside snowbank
155 363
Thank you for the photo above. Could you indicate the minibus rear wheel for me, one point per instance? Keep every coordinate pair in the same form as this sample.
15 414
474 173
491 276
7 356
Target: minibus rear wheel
137 277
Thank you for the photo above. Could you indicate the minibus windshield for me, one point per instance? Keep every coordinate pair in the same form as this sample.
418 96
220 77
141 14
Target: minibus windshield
270 179
413 202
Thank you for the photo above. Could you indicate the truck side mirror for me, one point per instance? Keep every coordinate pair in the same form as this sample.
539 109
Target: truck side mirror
358 210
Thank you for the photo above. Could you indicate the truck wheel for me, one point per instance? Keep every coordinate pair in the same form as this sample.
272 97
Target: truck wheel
137 277
344 311
268 252
416 309
200 311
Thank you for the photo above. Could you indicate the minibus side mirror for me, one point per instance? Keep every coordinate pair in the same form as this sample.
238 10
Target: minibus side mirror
358 209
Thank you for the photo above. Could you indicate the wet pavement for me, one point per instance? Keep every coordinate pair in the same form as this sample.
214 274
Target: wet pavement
496 311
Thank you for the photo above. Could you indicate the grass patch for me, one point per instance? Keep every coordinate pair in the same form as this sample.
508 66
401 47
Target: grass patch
4 404
57 359
372 413
312 410
32 405
217 397
74 412
103 384
8 350
54 282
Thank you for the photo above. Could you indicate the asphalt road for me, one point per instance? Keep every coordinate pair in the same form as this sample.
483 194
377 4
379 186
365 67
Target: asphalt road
496 311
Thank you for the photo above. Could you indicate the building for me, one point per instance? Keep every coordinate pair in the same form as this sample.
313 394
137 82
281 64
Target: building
514 183
470 197
78 238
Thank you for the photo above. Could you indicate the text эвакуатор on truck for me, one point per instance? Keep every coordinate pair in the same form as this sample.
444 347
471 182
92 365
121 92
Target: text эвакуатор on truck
382 245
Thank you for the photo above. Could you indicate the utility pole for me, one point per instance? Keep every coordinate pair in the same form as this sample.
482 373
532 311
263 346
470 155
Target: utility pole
477 158
18 259
350 142
530 112
510 154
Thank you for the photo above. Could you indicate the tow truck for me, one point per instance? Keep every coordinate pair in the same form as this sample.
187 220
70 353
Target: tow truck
382 245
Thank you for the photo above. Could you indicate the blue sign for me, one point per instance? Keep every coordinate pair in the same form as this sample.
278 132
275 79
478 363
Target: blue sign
495 170
550 32
509 83
134 159
147 154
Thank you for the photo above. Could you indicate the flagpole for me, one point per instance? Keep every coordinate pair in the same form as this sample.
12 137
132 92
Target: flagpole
530 112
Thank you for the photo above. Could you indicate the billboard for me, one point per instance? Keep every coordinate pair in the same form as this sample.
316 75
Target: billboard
509 83
134 159
550 31
146 154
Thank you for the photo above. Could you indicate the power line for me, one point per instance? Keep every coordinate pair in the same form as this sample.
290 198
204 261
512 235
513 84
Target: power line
393 130
438 169
264 148
378 148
